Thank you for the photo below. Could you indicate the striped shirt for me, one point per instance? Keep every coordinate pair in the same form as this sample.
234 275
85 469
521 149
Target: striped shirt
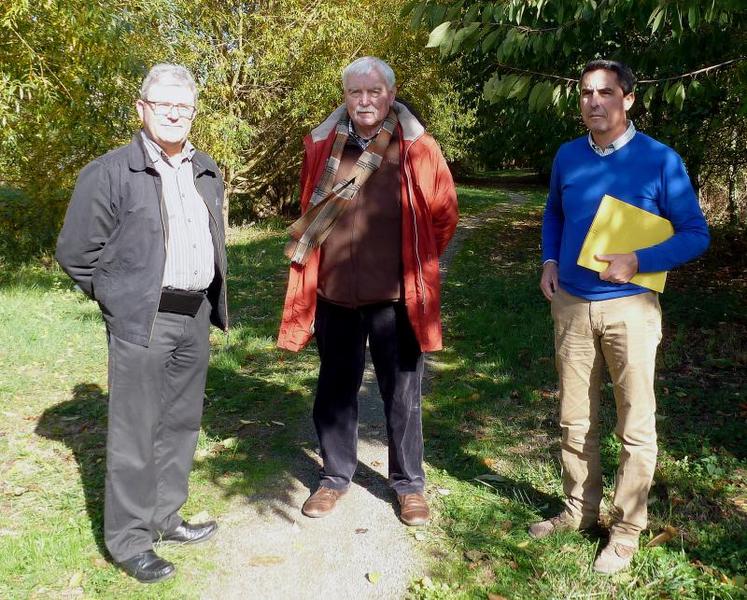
190 257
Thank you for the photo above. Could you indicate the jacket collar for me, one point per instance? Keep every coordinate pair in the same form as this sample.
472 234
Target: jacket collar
411 127
139 160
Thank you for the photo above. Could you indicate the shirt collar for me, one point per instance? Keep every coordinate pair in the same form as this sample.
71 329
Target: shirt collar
362 142
615 145
156 153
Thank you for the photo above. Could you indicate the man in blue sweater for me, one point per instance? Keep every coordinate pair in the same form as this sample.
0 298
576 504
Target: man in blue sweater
603 318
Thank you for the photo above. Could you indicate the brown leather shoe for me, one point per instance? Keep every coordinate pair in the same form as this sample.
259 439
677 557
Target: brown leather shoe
321 502
413 509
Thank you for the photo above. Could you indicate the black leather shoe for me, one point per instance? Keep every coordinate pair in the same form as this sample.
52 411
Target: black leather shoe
148 567
190 534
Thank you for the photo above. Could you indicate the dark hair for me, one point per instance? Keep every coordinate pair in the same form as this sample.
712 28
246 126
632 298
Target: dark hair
624 75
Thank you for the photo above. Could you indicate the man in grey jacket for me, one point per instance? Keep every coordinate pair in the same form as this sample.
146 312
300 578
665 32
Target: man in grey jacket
143 236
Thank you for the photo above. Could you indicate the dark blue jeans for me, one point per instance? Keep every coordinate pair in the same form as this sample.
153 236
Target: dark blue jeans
341 335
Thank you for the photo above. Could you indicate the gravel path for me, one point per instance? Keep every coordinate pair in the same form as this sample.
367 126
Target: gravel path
269 550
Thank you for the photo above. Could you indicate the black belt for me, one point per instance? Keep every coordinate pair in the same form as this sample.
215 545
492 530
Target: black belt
181 302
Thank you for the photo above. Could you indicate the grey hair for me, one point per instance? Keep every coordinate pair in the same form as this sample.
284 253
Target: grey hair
366 64
168 72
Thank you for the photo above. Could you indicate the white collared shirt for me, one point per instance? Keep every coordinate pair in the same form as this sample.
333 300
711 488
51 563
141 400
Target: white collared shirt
616 145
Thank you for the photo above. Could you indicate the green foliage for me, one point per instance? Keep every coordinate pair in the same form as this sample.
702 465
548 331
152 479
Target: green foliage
268 72
272 72
527 54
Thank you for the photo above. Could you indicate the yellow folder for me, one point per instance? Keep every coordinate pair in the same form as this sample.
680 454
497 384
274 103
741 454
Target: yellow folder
619 227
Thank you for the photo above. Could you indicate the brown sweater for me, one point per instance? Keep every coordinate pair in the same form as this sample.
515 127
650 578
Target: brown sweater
361 260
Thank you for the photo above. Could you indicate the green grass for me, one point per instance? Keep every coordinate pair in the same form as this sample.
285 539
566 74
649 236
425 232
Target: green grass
491 409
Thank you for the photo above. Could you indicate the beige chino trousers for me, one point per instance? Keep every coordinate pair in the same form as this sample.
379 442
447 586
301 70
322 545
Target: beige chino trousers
624 333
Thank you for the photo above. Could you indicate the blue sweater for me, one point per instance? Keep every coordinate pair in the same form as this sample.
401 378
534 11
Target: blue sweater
645 173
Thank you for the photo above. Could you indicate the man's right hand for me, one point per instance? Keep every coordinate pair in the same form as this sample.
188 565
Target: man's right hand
549 279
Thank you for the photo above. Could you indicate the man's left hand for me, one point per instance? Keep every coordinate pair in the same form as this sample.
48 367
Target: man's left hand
621 267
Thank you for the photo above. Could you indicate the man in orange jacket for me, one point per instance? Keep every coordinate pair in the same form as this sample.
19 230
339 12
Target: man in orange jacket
374 278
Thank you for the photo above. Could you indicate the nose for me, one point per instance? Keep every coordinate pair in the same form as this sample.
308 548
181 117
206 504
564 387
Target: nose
365 99
173 113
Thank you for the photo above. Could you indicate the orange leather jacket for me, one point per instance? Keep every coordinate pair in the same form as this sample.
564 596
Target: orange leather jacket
429 218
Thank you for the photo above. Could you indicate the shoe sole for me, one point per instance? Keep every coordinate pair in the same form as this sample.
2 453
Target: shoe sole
157 579
415 523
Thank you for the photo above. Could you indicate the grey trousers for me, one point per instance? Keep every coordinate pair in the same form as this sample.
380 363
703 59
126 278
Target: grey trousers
155 408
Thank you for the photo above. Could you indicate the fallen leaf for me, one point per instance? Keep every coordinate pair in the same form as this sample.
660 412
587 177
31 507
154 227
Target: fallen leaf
247 421
230 442
75 579
444 491
496 597
266 560
278 423
375 463
666 535
373 577
490 477
523 544
361 530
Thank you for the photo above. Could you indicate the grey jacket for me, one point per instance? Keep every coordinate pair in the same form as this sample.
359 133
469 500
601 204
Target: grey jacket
113 241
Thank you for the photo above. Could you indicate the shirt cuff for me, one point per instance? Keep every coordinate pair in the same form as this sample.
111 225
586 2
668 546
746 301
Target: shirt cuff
552 260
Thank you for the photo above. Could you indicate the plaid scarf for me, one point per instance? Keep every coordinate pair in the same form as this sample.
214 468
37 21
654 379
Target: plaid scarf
327 202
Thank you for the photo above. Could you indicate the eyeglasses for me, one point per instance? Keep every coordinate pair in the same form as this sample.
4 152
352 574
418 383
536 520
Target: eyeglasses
163 109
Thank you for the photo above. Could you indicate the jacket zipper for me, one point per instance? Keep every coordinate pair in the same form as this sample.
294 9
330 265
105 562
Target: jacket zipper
165 249
415 223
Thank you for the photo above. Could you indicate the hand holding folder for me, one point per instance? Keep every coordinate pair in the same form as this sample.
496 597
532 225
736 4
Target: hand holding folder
619 227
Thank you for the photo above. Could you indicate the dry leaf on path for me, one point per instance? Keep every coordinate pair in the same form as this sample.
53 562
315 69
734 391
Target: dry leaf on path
373 577
666 535
266 560
361 530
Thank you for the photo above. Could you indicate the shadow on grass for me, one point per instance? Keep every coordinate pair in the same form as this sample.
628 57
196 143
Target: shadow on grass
80 423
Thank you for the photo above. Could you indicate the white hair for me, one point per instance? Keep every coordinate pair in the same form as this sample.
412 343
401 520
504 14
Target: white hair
163 72
366 64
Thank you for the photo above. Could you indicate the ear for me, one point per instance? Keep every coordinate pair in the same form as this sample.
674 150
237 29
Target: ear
628 101
140 106
394 95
